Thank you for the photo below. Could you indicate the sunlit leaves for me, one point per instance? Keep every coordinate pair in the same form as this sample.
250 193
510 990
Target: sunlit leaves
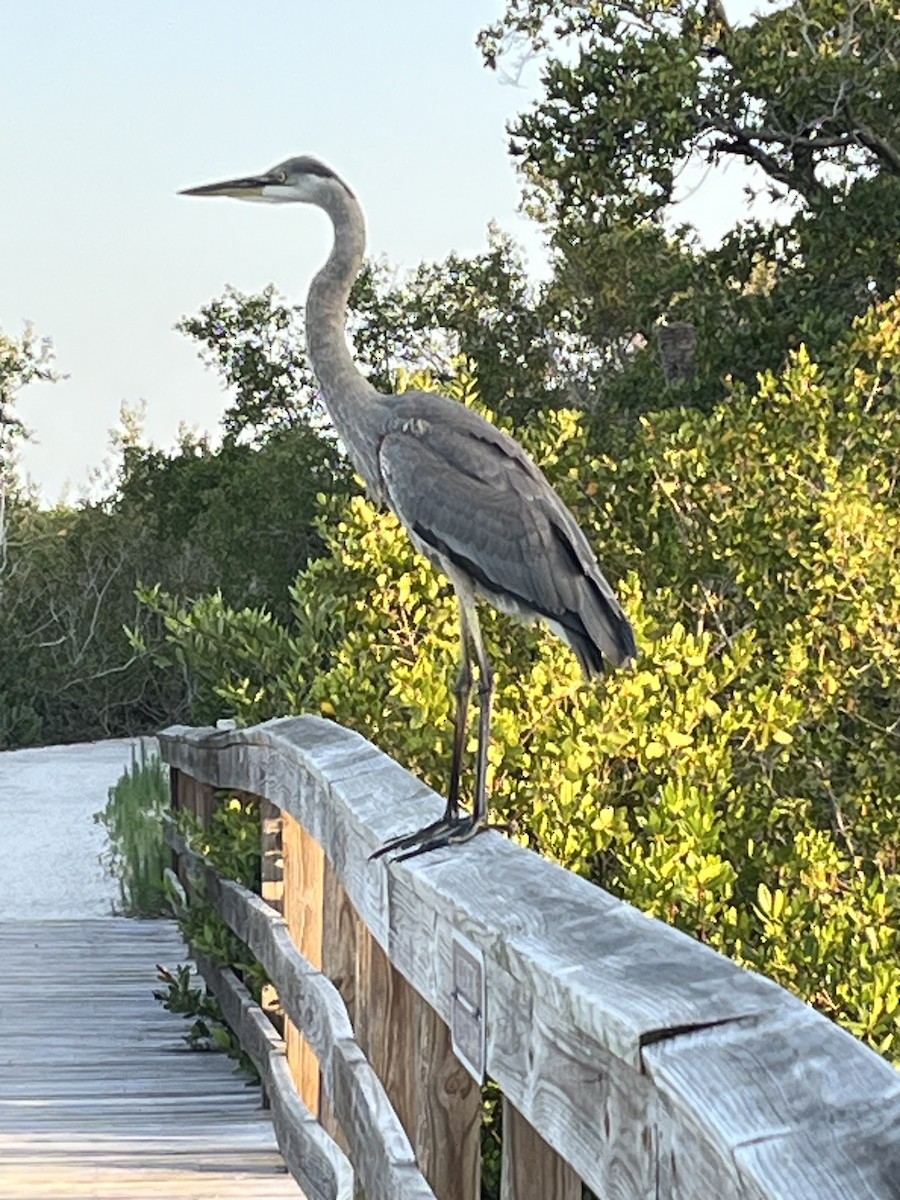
741 781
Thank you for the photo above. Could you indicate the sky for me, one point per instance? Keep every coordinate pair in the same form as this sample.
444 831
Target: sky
110 108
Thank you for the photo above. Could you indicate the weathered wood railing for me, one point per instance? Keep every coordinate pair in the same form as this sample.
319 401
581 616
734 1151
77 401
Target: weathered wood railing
629 1056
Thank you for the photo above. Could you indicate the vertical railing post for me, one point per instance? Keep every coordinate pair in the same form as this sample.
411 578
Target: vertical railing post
175 786
304 864
448 1111
339 940
530 1169
409 1046
191 796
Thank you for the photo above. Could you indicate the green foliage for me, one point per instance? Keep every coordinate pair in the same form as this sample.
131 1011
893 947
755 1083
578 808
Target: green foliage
491 1139
755 746
80 654
68 587
634 92
133 817
239 519
231 843
22 360
237 660
256 344
809 93
483 309
209 1029
231 840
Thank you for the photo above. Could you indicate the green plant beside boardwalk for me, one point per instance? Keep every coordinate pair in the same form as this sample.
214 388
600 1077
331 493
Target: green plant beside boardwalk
133 817
138 857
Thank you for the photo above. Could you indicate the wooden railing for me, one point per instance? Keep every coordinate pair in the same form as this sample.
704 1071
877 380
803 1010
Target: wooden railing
629 1056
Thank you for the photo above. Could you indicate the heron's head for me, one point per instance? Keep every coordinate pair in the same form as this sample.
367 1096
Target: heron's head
304 180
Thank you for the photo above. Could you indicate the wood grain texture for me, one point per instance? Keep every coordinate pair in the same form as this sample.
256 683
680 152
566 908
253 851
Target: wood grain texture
646 1060
100 1097
339 946
386 1028
380 1151
302 905
312 1157
447 1137
531 1170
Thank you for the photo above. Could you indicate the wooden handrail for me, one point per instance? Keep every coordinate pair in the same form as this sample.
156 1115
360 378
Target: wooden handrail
380 1149
651 1065
313 1159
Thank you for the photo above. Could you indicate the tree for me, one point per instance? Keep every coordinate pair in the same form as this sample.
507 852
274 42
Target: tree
68 671
22 361
239 518
256 344
808 95
483 309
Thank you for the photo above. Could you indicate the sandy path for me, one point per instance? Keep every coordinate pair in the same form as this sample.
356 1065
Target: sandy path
50 845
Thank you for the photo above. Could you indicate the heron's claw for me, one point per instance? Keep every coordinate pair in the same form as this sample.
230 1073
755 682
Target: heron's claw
445 832
462 831
412 839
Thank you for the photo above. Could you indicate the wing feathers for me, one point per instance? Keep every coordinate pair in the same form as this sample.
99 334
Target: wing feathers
476 503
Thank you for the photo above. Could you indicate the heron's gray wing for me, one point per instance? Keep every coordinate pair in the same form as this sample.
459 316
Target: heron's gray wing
476 503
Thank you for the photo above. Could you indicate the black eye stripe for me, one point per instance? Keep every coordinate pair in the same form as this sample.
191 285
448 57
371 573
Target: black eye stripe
309 166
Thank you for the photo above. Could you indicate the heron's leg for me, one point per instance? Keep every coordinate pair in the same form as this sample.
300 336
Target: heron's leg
462 691
463 827
485 703
452 826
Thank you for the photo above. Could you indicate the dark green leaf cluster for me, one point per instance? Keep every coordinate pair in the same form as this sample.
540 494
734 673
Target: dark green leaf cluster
483 308
256 344
209 1030
230 842
633 94
67 672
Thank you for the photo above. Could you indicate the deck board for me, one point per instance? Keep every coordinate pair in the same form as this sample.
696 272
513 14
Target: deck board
99 1094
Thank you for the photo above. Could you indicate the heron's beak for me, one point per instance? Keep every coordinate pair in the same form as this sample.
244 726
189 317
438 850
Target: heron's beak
250 188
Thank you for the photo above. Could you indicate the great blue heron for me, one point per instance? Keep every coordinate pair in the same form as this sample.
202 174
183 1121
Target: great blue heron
470 498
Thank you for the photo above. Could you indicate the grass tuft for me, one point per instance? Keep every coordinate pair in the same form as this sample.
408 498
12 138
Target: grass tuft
137 855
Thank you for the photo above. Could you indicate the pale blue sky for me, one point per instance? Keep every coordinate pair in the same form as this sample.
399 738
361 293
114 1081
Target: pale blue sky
110 107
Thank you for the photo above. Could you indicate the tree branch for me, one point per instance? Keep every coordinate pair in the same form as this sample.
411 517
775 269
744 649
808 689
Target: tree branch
806 184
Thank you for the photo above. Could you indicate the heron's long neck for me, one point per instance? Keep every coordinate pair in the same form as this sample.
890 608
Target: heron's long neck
349 397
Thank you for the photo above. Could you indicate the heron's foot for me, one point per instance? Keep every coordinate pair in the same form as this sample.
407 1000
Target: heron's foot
448 831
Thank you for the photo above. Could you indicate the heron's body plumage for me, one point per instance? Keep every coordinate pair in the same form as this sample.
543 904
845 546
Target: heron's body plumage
477 505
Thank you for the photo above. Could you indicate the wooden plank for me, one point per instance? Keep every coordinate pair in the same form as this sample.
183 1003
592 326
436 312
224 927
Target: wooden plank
386 1028
448 1111
339 948
587 998
379 1149
304 864
99 1095
532 1170
312 1157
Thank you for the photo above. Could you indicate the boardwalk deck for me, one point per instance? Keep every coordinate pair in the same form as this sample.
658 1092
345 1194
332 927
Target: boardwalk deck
99 1095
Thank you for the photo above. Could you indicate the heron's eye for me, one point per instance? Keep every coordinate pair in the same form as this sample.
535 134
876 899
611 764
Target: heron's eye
282 176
